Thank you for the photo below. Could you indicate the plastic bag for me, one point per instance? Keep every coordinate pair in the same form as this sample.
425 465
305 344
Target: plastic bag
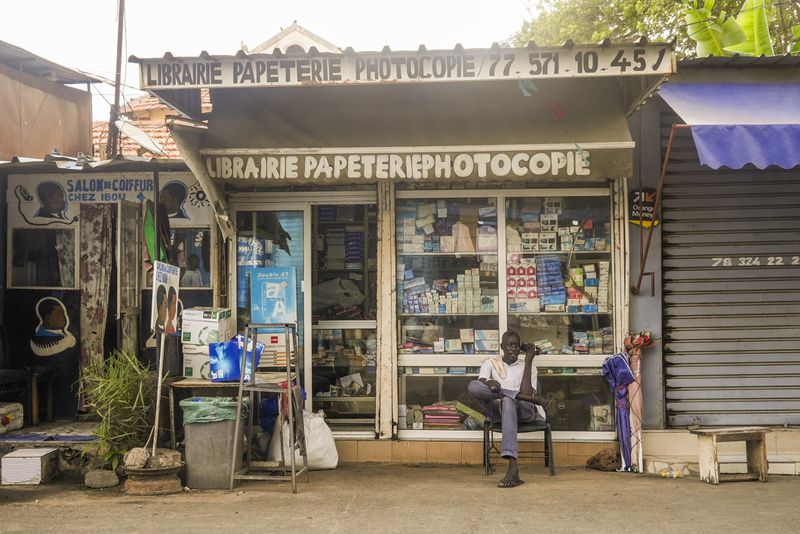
320 446
336 292
225 360
211 409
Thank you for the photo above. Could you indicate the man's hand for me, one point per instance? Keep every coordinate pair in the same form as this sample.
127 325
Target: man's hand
494 385
531 353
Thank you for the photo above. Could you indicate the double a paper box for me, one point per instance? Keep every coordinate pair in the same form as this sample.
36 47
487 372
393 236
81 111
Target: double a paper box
201 326
30 466
196 362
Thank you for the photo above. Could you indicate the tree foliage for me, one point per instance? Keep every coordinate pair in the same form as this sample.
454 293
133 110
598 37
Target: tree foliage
590 21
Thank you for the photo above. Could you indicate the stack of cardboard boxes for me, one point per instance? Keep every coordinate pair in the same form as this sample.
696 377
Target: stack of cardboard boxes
201 327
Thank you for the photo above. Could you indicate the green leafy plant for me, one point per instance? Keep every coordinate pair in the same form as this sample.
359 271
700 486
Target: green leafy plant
713 34
755 23
121 390
795 39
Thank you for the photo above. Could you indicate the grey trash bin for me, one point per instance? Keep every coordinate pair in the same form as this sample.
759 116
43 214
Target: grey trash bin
208 425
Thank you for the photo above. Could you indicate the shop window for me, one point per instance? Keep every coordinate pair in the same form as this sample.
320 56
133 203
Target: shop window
344 268
579 399
553 286
448 306
43 258
558 273
190 249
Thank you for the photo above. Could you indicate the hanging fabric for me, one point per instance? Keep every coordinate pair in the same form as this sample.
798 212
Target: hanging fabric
96 231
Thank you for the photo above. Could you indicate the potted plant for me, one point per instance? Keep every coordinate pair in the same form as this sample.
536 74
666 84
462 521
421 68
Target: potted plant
121 391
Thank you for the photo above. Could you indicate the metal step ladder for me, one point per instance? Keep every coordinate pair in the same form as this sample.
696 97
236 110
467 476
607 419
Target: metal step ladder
271 383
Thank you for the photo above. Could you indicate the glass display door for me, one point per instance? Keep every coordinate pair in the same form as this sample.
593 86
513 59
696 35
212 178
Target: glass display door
275 240
331 246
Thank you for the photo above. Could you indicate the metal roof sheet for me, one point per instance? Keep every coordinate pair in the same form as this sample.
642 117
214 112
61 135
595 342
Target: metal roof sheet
737 61
30 63
313 51
52 163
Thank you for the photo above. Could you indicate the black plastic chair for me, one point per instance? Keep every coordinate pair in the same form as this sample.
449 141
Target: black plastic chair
489 446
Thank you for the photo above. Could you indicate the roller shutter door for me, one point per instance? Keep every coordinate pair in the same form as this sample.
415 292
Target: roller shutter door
731 289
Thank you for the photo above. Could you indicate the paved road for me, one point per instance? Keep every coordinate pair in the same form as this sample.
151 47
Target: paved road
393 498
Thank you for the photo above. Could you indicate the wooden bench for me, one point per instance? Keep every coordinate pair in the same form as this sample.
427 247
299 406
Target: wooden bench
757 465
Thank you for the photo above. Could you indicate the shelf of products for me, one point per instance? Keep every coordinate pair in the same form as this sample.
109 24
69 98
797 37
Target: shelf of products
448 297
344 375
558 273
344 268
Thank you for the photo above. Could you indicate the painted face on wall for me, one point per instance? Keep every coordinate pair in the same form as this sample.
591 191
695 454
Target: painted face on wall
52 335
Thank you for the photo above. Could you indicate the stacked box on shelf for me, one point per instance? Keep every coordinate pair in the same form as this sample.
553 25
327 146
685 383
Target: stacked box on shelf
603 286
550 283
521 286
354 247
335 247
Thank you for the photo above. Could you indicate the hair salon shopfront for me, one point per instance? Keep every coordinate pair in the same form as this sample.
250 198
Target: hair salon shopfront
428 202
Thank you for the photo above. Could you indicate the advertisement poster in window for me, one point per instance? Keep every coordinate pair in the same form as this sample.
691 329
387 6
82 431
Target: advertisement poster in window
273 293
166 280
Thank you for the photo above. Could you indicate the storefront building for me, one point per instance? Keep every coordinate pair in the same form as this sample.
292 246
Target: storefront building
722 273
428 201
76 285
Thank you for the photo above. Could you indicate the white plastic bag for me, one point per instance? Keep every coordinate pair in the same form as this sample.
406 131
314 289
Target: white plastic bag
320 446
337 292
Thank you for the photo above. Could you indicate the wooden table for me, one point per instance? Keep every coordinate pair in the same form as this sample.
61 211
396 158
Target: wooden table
755 438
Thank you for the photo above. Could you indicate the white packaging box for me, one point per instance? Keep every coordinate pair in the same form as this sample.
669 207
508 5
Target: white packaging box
30 466
201 326
196 362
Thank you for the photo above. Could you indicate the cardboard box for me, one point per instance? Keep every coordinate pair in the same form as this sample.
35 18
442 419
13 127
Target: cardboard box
196 362
201 326
30 466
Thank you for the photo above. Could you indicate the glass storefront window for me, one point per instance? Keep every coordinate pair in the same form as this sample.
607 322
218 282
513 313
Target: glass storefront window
556 285
558 273
579 399
344 367
448 306
190 249
447 291
42 258
435 399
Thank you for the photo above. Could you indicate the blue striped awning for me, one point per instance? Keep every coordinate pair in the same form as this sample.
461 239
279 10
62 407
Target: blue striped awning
736 124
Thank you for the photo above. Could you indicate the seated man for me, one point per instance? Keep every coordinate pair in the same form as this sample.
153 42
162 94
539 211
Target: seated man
512 383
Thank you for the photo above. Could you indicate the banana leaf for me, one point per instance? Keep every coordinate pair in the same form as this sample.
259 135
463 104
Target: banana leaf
796 34
712 34
753 20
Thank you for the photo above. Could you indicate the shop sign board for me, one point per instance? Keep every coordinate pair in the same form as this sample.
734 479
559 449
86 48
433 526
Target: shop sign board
643 207
54 200
587 161
407 67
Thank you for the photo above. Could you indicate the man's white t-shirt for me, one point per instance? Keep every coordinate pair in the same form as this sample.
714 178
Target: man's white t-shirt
513 378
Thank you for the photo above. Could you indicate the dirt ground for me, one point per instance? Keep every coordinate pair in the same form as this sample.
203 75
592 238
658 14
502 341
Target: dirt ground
397 498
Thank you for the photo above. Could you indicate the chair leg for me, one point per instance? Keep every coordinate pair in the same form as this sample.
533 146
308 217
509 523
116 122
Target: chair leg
49 407
34 399
487 468
548 438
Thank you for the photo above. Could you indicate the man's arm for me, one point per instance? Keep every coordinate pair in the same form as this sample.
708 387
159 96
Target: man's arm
526 390
485 376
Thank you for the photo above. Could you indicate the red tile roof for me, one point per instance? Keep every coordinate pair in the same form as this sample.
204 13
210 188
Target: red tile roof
157 131
149 102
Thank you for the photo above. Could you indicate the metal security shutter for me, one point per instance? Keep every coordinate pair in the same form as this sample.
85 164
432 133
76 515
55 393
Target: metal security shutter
731 286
